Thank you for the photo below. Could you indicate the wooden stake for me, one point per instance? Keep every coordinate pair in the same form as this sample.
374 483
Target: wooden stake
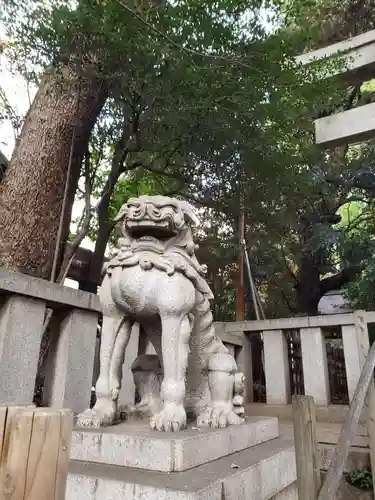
42 463
371 425
35 454
364 347
14 458
308 473
6 413
333 477
66 428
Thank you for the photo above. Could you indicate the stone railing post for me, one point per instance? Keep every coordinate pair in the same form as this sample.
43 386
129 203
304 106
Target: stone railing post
70 362
21 327
276 367
356 346
314 361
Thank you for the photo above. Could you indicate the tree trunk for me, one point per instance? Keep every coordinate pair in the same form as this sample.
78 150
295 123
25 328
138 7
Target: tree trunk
308 292
311 288
31 193
97 260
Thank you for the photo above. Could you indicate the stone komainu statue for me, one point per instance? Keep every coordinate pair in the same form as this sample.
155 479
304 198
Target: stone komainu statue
155 279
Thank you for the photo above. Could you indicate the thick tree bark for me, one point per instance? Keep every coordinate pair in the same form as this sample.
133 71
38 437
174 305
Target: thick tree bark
31 193
308 291
97 260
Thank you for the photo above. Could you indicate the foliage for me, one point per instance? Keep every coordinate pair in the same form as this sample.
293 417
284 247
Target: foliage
361 478
206 102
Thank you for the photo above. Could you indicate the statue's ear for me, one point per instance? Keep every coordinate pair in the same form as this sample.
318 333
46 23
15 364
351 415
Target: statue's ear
122 213
189 213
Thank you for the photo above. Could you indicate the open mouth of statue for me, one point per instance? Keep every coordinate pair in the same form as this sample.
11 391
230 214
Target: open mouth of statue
143 232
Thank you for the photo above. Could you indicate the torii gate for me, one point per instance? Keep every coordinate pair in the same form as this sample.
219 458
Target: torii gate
343 128
355 125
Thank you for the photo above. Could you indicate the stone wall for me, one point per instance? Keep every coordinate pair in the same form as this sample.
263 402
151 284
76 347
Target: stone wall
69 369
72 364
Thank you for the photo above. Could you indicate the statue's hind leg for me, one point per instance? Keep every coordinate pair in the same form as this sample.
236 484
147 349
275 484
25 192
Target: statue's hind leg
148 375
225 388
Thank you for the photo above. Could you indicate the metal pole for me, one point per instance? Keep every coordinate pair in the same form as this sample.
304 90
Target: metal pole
251 280
240 296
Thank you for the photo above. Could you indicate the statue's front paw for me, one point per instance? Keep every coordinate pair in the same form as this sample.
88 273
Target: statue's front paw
102 415
219 416
171 419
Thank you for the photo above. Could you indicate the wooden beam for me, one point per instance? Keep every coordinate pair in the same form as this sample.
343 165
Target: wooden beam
347 127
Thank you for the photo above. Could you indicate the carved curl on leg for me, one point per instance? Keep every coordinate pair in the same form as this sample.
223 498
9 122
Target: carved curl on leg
222 375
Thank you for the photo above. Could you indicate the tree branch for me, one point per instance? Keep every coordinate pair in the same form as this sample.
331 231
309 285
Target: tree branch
84 226
337 281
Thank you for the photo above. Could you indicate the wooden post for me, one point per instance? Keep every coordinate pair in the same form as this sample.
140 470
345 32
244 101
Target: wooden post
35 453
371 425
363 343
333 477
6 413
308 473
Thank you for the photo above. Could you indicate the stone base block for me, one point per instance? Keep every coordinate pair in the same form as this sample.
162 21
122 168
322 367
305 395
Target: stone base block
263 472
134 444
290 493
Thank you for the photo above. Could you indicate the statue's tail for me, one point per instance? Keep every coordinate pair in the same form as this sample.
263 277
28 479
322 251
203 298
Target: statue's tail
238 397
204 330
207 340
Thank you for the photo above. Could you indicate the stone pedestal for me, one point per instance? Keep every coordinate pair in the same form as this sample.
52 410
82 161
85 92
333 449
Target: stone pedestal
131 462
125 444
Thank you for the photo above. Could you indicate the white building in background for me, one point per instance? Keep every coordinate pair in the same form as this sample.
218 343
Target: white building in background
333 302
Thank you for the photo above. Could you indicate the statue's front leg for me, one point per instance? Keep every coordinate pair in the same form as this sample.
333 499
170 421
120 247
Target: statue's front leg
115 336
176 332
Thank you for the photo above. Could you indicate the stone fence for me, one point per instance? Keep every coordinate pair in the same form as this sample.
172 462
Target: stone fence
71 366
70 359
311 331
